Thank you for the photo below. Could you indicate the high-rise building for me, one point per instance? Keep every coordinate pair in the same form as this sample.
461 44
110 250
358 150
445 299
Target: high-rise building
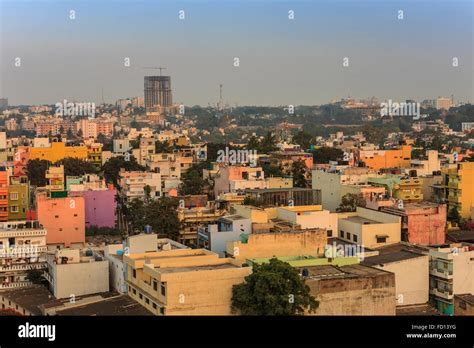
158 92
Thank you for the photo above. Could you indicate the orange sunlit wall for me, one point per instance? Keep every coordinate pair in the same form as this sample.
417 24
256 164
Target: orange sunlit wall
3 195
20 161
63 218
378 159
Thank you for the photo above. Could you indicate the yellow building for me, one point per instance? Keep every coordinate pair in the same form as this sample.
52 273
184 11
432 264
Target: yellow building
55 177
460 188
183 281
94 154
58 151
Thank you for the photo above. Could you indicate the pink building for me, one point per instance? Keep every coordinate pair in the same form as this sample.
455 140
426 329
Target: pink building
423 223
100 207
63 218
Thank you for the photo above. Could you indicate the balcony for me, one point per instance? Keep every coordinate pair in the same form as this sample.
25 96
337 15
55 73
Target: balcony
446 294
444 274
14 285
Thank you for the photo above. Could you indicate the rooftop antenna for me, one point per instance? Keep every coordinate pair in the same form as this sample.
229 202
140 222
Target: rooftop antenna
155 67
221 102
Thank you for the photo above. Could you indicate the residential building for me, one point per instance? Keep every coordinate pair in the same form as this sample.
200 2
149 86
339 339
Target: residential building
22 247
309 242
18 198
423 223
100 206
459 183
58 151
351 290
183 281
63 218
464 304
193 219
135 185
379 159
284 196
451 273
75 272
369 228
3 194
214 237
412 288
238 178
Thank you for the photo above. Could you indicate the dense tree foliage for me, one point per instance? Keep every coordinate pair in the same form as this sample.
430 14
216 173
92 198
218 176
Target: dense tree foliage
274 288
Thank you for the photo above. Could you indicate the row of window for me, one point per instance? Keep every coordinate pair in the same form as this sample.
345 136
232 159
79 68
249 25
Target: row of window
347 235
147 301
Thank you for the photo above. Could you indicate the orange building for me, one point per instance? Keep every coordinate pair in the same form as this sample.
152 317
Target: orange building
64 219
3 194
378 159
20 161
58 151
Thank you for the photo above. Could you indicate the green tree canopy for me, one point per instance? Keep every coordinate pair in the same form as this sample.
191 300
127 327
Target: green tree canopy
350 202
274 288
36 170
298 171
112 168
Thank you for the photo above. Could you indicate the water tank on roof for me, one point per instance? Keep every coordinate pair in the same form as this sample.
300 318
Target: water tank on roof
305 272
148 229
89 252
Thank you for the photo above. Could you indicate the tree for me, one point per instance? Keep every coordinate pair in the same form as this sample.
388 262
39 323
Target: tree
268 143
350 202
192 181
76 166
326 154
454 216
272 170
253 143
36 170
112 167
162 216
135 212
298 171
303 139
274 288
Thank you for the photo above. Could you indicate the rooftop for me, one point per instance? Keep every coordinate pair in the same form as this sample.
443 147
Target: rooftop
31 297
361 220
349 271
390 257
196 268
117 305
466 297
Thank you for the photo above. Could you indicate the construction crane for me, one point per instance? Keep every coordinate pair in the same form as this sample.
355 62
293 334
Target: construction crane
155 67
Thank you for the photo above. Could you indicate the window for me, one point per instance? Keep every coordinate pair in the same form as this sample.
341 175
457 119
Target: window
14 209
329 233
162 311
163 290
341 233
134 273
147 300
141 296
462 304
154 305
155 285
14 196
354 237
381 239
134 291
348 236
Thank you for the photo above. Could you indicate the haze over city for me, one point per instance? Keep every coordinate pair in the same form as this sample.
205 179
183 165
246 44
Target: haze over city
282 61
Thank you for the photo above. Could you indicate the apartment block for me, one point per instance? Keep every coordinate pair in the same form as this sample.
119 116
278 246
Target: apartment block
22 247
459 183
183 282
451 273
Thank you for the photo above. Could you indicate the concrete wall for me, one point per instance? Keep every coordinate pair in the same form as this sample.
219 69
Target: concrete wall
279 244
80 278
412 287
359 296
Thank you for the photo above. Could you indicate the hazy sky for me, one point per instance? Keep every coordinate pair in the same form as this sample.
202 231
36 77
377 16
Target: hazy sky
282 61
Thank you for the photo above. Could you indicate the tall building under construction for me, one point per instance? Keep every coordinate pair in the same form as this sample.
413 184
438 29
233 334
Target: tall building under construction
158 92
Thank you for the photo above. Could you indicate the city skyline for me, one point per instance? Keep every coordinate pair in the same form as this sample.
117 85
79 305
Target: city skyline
282 61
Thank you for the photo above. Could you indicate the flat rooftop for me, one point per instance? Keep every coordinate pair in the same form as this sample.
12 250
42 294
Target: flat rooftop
390 257
303 208
461 236
281 189
31 297
349 271
361 220
196 268
118 305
